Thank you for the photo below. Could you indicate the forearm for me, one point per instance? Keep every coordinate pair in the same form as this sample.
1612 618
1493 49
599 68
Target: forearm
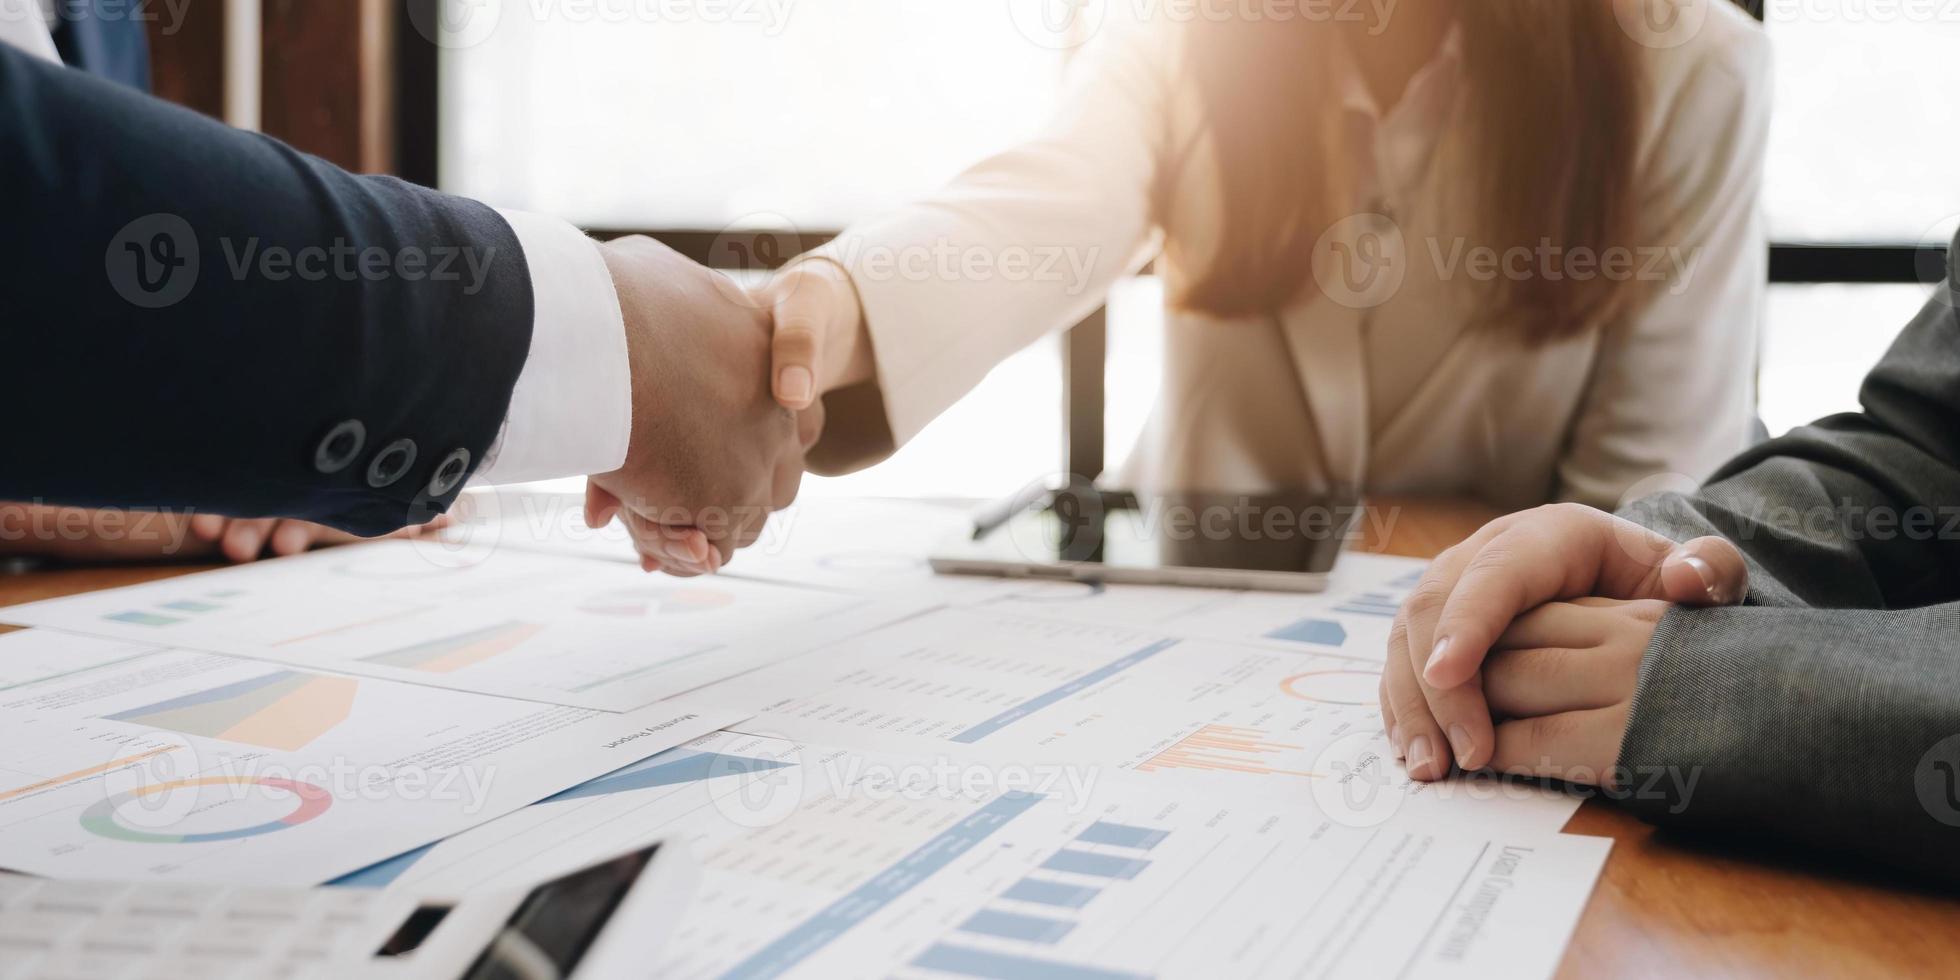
317 298
1834 729
1855 511
1811 534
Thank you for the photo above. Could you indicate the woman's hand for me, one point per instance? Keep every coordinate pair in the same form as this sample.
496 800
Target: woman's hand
1433 689
1561 681
820 341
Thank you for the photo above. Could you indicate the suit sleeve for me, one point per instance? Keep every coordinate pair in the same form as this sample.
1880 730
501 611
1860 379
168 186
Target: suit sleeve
1826 711
200 317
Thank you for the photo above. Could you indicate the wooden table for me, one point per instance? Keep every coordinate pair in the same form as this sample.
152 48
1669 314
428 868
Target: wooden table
1670 906
1667 905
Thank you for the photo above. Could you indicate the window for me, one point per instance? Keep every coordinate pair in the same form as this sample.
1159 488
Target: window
1863 140
735 113
768 115
1860 153
642 115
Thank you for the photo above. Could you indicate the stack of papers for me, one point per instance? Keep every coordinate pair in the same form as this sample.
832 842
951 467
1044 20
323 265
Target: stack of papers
882 772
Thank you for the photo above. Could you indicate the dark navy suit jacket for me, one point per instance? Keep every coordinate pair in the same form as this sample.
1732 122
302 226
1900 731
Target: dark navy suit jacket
197 316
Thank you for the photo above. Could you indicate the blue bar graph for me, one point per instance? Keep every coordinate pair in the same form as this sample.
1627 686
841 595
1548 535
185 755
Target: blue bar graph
139 618
1371 604
802 942
1324 632
1121 835
1100 865
1056 893
1013 925
1090 679
969 962
192 606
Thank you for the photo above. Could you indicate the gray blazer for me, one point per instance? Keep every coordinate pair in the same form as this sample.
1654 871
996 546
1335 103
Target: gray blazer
1826 711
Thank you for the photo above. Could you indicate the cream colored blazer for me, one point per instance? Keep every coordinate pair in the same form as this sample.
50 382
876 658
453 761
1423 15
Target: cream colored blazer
1375 380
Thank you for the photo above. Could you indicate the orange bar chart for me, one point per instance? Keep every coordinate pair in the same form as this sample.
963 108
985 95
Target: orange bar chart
1225 748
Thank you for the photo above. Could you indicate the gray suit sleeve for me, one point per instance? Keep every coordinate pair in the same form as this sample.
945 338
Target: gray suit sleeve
1826 711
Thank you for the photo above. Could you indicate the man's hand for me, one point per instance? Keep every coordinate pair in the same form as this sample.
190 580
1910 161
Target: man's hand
1561 681
1433 705
712 453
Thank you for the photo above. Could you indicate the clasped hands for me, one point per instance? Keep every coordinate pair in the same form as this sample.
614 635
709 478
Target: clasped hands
1520 649
714 449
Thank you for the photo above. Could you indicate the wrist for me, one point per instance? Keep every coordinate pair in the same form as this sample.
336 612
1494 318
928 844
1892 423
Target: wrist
619 262
847 354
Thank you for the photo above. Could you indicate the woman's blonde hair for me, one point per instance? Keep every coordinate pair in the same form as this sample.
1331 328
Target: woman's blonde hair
1552 105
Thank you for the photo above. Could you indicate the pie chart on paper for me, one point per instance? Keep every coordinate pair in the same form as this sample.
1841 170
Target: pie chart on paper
1344 687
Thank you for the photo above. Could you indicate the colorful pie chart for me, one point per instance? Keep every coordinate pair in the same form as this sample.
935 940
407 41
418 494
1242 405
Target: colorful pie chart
100 819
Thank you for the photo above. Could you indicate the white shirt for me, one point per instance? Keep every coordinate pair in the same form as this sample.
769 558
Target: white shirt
571 413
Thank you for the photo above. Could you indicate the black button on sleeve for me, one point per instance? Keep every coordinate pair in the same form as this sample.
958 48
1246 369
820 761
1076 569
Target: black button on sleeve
390 463
340 447
450 473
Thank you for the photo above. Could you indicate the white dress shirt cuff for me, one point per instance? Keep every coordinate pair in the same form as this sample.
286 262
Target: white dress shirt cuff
571 413
26 24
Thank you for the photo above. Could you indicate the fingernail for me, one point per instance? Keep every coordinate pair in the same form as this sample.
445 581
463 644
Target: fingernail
1436 656
1705 572
697 549
1421 753
796 384
1460 742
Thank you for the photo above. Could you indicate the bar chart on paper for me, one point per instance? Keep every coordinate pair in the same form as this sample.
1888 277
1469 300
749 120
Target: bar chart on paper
504 622
1190 712
283 710
1023 884
449 654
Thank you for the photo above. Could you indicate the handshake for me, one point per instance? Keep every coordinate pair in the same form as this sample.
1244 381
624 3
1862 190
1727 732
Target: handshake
726 385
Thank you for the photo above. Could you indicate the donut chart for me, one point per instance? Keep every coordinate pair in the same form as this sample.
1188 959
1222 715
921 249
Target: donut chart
1355 688
100 818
